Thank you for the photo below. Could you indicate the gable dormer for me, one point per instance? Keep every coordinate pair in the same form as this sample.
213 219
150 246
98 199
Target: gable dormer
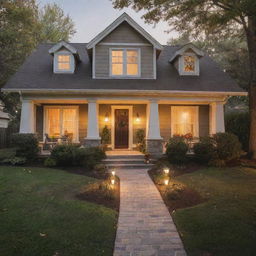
124 50
186 60
65 58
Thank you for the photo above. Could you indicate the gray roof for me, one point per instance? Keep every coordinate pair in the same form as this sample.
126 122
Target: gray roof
37 73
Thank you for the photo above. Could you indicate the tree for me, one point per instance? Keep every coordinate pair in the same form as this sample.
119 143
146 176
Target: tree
209 17
55 25
22 27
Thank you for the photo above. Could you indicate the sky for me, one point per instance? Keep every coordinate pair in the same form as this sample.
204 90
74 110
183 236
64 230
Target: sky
93 16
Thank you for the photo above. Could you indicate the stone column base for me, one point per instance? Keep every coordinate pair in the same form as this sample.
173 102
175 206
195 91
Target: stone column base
154 147
89 143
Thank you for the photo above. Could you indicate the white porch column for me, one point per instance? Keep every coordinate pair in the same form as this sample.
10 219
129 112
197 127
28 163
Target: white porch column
153 127
217 123
93 124
27 119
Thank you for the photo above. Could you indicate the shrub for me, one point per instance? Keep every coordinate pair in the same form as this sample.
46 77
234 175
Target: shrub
26 145
72 155
140 137
7 153
204 150
238 123
15 160
50 162
227 146
64 154
176 150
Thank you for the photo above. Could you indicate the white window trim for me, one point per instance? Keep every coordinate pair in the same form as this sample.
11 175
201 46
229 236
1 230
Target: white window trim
196 108
124 63
181 65
46 125
62 71
130 109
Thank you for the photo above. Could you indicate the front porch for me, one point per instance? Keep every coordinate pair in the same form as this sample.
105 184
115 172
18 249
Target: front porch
84 121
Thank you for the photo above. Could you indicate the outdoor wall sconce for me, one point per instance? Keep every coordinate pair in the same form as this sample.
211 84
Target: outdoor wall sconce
106 119
137 117
166 170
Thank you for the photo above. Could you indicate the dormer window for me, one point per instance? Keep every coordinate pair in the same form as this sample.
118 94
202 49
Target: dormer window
64 62
189 63
124 62
186 60
65 58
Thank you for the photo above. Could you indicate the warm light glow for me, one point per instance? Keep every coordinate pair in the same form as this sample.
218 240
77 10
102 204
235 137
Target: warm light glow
166 182
106 119
113 173
166 170
184 116
63 62
113 181
137 118
189 64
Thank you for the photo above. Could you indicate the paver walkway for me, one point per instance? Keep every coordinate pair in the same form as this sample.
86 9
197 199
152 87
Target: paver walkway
145 227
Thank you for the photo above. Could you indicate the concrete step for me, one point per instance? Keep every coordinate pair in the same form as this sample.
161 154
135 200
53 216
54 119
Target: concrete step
123 161
140 157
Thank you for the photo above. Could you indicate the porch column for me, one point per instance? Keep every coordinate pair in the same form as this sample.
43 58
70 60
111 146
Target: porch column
217 123
153 138
93 138
27 119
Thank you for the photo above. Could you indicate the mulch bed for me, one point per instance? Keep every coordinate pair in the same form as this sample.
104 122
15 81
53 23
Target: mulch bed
109 198
177 195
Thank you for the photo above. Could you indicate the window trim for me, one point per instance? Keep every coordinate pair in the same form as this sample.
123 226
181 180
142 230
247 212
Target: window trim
61 107
56 62
196 108
124 62
181 65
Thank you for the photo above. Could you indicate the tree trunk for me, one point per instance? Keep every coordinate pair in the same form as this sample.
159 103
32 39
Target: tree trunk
251 40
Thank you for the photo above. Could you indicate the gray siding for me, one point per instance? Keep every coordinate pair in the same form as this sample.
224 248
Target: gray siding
124 34
204 120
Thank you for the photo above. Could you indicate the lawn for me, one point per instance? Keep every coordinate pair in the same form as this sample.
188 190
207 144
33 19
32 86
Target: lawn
40 215
225 225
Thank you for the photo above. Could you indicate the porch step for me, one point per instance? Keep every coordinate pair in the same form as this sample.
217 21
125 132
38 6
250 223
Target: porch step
129 166
125 157
123 161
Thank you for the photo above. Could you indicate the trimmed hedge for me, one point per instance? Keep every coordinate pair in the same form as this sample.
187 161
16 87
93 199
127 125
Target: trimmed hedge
26 145
176 150
238 123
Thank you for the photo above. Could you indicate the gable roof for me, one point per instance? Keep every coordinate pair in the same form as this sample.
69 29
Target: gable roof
61 44
116 23
36 75
186 47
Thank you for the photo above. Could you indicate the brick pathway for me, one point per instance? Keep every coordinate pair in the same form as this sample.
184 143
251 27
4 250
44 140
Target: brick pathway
145 227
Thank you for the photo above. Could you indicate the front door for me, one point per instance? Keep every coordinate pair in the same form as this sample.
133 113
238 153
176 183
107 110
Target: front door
121 128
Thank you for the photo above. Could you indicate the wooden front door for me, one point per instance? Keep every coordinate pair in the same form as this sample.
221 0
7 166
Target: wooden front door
121 128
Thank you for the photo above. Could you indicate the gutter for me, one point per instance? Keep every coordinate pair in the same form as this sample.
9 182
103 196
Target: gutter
122 92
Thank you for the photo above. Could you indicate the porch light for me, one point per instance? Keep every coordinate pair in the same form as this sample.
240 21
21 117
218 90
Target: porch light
106 119
137 117
113 181
166 170
166 182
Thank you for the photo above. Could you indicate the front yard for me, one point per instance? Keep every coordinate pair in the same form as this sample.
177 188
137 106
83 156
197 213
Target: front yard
225 224
41 215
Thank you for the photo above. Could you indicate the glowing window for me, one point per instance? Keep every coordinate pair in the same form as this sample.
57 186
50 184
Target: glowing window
184 120
189 63
64 62
125 62
62 121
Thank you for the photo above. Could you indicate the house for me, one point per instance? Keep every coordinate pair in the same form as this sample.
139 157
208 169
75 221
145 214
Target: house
123 79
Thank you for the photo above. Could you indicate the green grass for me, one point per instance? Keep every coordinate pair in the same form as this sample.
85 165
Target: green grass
41 200
226 224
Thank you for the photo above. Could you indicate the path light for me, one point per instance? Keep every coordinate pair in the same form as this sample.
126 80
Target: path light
166 182
113 181
113 173
166 170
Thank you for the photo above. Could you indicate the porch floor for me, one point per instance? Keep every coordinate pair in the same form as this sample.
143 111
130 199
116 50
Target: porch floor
123 153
